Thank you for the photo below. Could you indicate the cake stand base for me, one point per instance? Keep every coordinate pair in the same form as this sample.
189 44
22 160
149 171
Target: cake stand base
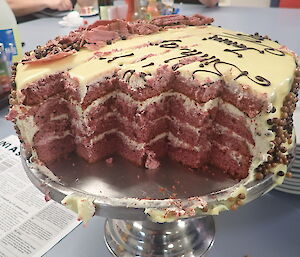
185 238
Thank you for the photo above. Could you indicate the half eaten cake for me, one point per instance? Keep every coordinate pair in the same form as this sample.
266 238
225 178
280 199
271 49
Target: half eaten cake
173 87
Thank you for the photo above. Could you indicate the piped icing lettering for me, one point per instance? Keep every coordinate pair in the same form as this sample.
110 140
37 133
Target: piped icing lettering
120 56
185 53
170 43
223 38
147 65
217 62
128 77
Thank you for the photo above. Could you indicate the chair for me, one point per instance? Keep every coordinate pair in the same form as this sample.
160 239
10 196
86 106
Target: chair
285 3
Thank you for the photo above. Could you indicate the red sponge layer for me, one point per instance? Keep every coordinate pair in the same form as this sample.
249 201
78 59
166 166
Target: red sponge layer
174 117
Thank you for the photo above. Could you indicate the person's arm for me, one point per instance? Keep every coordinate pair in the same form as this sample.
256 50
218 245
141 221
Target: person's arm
83 3
209 3
24 7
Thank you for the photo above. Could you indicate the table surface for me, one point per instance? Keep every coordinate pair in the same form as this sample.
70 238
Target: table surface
267 227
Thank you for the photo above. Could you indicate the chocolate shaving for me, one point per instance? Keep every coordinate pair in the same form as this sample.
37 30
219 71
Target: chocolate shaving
104 32
50 58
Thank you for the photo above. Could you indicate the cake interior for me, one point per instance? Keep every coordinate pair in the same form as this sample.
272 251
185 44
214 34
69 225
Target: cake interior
173 120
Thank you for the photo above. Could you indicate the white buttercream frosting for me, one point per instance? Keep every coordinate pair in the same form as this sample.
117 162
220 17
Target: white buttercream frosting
83 206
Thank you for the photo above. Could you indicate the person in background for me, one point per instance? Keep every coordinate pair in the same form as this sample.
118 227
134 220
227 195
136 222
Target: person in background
25 7
209 3
28 7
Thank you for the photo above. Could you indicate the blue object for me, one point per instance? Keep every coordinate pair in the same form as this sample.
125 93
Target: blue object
8 40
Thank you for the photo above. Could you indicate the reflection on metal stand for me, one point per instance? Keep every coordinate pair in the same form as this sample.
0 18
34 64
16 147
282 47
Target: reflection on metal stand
188 237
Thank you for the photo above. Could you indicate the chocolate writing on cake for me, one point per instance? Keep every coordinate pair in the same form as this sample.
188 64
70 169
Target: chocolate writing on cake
216 62
213 61
241 47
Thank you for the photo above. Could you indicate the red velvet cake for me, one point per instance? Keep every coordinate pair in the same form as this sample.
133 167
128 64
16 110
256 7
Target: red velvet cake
172 87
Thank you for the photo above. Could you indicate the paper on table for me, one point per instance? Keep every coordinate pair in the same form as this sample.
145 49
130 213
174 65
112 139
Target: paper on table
29 226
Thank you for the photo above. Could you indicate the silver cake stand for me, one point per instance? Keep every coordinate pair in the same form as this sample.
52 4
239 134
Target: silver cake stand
122 191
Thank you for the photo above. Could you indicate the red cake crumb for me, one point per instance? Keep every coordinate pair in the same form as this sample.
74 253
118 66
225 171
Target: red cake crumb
47 197
151 161
109 161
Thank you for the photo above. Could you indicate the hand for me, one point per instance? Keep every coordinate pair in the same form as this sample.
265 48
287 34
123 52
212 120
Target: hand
209 3
60 5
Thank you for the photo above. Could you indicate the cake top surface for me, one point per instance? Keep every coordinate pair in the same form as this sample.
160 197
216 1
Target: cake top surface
203 53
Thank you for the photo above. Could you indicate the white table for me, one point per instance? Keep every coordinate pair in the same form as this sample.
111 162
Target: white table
267 227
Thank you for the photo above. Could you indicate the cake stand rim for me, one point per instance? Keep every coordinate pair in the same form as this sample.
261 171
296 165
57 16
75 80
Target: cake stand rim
46 186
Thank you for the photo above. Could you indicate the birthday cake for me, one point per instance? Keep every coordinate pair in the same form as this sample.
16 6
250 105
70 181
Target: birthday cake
174 87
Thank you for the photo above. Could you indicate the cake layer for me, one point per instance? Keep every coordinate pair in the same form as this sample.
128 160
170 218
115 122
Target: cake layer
230 162
188 126
235 152
98 150
170 112
143 131
235 123
98 90
56 128
53 109
140 87
54 148
151 108
40 90
229 140
116 142
190 158
197 91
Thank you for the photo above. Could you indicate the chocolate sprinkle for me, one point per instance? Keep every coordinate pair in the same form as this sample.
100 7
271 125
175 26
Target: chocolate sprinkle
280 173
273 110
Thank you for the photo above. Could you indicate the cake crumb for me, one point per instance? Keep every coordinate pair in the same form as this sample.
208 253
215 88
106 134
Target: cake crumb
151 162
109 161
47 197
173 196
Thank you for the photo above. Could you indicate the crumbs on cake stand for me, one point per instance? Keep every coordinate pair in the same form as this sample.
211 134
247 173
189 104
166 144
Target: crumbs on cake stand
109 161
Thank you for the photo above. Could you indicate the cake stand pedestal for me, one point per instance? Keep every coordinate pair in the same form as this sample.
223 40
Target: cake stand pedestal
188 237
121 192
